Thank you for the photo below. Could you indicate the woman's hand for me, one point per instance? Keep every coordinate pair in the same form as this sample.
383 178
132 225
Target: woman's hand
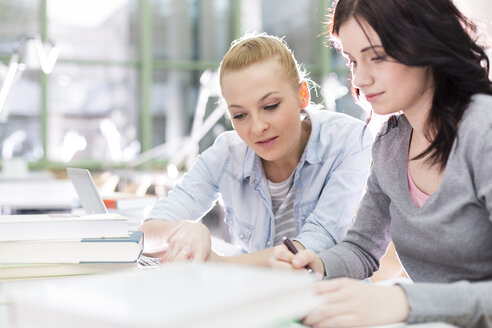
348 303
284 259
188 241
176 241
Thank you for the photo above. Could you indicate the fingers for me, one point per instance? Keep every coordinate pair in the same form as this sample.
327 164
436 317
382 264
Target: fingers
281 258
284 259
336 309
200 255
188 241
155 254
333 285
281 253
182 256
344 303
171 253
280 265
303 258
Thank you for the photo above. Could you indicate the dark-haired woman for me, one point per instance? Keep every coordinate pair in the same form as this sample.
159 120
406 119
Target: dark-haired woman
430 189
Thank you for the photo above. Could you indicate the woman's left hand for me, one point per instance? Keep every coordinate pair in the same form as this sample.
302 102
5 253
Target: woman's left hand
348 303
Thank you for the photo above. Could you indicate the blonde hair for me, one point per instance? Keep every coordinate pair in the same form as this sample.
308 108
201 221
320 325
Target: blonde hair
253 48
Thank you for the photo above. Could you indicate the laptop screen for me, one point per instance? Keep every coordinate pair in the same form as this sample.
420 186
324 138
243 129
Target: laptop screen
87 191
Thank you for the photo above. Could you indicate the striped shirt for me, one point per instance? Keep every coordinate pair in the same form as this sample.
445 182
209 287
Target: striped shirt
283 208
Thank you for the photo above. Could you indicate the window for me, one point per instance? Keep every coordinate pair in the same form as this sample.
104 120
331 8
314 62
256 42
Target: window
128 75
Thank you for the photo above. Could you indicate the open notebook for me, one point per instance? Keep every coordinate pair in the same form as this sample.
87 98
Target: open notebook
185 295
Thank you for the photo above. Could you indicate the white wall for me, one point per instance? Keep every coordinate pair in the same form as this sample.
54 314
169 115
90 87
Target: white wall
480 10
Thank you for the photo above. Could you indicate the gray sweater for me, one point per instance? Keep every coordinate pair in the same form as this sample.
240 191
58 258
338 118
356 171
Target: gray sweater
446 245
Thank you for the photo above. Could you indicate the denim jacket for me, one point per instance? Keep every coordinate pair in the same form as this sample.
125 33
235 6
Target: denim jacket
328 182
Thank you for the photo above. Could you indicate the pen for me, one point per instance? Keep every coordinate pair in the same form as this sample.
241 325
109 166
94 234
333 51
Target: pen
288 243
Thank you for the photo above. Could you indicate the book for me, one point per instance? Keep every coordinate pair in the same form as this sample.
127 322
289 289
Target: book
124 201
27 271
181 295
126 249
62 226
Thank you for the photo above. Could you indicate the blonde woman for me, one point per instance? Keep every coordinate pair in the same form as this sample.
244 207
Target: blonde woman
287 169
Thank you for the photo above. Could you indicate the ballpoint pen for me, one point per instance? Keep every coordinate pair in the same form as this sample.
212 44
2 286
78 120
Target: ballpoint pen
290 246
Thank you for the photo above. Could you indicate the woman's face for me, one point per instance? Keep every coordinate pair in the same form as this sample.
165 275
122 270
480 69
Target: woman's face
386 84
265 109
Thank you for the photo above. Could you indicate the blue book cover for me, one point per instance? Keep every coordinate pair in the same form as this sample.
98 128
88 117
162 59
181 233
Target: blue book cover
134 237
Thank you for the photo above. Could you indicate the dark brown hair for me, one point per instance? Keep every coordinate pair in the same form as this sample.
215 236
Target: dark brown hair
427 33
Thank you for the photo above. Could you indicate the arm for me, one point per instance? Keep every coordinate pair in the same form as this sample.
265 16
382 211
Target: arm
463 303
328 223
173 232
261 258
337 203
344 300
195 195
358 255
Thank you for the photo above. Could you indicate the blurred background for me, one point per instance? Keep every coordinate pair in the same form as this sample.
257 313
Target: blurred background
129 86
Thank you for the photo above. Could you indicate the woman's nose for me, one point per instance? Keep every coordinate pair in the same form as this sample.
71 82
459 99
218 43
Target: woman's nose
362 77
259 125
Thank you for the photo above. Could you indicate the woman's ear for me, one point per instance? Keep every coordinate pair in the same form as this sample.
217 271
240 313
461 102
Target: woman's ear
304 93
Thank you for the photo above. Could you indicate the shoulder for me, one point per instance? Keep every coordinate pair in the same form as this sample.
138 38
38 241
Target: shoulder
329 126
393 135
334 133
477 117
475 129
228 139
227 144
328 121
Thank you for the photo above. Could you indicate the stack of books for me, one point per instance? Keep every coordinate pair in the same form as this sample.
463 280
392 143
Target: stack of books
53 245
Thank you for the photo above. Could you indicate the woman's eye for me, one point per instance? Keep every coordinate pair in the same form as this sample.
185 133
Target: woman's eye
378 58
238 116
270 107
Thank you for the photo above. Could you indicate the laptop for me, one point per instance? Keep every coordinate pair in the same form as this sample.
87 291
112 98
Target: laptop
86 189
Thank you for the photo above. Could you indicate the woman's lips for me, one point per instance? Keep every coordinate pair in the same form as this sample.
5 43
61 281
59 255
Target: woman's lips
267 142
373 96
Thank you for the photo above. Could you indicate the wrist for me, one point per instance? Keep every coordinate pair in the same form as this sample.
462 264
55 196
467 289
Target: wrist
319 267
214 257
403 308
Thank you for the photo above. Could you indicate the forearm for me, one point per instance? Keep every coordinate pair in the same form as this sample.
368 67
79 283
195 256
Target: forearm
462 303
348 260
261 258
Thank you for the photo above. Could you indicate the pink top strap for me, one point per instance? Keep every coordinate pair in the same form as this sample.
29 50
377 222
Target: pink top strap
418 196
